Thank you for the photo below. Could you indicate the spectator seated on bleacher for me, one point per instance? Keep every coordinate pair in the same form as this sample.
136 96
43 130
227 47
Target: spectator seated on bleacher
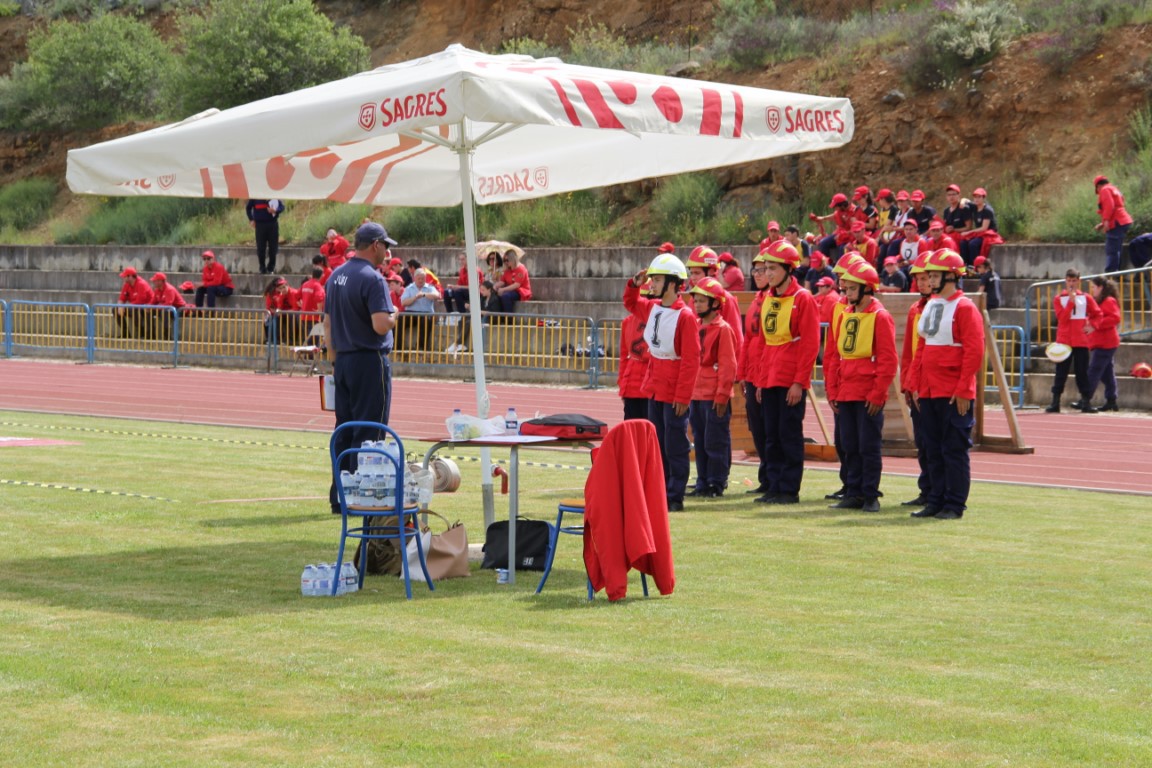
133 293
419 302
334 249
731 275
863 244
279 297
214 281
164 294
515 285
892 280
989 283
817 268
983 231
957 215
921 212
456 295
802 246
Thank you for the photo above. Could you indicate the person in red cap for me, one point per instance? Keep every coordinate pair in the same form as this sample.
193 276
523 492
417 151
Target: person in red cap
957 215
842 216
731 276
164 294
983 232
886 212
826 297
279 297
892 280
1074 310
395 288
911 245
866 210
214 281
136 293
922 213
334 249
949 355
791 329
989 283
816 269
1114 221
774 232
709 414
1103 341
859 366
865 245
939 241
900 216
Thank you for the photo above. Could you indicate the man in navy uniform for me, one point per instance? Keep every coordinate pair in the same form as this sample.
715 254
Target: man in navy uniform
265 218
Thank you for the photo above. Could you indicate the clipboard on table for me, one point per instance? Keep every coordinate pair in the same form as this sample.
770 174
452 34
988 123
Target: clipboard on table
327 392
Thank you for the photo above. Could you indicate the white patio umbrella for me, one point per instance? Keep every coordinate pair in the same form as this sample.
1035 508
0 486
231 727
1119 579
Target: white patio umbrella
460 128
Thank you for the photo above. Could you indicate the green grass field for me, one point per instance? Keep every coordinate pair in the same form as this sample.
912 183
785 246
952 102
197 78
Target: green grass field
170 631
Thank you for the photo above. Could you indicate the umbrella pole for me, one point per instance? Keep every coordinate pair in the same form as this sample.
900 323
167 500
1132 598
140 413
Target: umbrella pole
463 150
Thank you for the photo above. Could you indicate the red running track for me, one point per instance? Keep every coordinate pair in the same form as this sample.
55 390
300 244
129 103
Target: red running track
1108 452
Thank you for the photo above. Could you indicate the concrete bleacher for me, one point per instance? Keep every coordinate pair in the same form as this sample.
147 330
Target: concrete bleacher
566 282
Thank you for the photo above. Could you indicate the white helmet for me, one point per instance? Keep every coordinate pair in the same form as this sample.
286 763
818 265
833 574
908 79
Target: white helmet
667 264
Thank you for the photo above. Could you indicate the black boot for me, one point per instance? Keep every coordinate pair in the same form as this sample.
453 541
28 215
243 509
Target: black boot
1055 407
1086 406
1110 405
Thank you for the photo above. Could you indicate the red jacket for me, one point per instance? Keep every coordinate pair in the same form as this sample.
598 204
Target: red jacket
168 297
790 352
908 352
849 377
869 250
1072 313
312 296
729 311
675 352
1106 327
1111 207
949 348
733 279
287 301
943 241
633 359
462 277
717 363
136 292
214 273
626 512
519 275
752 347
335 250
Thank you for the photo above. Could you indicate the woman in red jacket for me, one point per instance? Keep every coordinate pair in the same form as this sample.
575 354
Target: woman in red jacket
633 365
1114 220
1103 341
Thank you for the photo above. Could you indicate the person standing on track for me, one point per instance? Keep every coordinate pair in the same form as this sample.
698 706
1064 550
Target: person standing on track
358 320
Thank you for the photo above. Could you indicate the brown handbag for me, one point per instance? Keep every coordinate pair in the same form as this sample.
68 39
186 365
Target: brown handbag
446 553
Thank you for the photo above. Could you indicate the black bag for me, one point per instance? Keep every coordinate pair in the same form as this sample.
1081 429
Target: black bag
531 545
567 426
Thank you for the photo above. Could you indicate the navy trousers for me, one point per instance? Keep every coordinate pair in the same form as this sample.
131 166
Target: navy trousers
672 433
1101 368
783 440
947 440
756 427
267 244
923 483
363 393
712 438
860 435
1078 362
635 408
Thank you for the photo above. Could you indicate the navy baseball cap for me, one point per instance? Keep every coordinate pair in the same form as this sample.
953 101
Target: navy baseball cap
370 232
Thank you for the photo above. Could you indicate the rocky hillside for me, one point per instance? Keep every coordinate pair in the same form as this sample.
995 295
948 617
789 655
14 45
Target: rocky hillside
1011 121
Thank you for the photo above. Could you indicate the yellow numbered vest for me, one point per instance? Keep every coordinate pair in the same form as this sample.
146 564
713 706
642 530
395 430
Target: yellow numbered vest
776 320
857 333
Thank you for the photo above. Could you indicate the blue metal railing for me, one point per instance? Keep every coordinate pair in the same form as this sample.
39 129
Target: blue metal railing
48 325
1011 344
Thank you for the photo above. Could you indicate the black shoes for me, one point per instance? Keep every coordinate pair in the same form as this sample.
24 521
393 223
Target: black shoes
872 505
1077 404
848 502
778 498
759 490
949 514
1109 405
836 495
919 501
707 492
675 506
927 511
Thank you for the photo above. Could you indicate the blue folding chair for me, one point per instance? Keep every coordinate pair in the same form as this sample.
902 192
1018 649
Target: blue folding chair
570 507
362 528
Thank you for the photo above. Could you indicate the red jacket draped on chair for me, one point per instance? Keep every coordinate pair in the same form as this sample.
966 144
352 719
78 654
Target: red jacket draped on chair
626 512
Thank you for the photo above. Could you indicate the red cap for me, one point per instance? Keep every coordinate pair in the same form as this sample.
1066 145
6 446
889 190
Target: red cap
187 286
837 199
1100 180
980 191
953 188
860 192
911 223
207 255
128 272
825 281
666 248
884 194
902 194
891 260
916 195
816 260
773 225
979 260
727 258
395 263
392 277
158 277
857 226
937 223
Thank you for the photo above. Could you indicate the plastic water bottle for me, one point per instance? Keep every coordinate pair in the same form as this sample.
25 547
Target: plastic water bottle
457 425
511 422
308 581
349 578
323 580
388 471
351 485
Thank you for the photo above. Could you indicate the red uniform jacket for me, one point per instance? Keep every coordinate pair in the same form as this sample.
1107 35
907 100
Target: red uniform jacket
908 352
1106 327
729 311
752 346
214 273
869 250
633 359
950 348
843 221
943 241
287 301
733 279
336 251
1073 311
789 350
850 378
717 363
519 274
824 304
324 277
626 512
136 292
1111 207
671 372
168 297
462 277
312 296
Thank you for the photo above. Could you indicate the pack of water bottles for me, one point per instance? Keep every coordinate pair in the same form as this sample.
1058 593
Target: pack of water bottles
316 580
373 484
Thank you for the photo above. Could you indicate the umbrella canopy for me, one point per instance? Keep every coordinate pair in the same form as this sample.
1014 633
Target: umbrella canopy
497 246
459 128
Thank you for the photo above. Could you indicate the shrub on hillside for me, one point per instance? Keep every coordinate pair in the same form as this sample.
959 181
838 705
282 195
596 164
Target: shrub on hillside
682 206
229 60
752 33
139 220
60 86
961 35
26 203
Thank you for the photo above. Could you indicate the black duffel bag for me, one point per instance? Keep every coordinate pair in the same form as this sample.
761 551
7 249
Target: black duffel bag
531 545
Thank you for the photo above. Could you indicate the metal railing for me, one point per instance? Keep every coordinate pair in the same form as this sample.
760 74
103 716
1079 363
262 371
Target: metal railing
60 327
1010 342
1135 297
234 334
5 331
120 328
